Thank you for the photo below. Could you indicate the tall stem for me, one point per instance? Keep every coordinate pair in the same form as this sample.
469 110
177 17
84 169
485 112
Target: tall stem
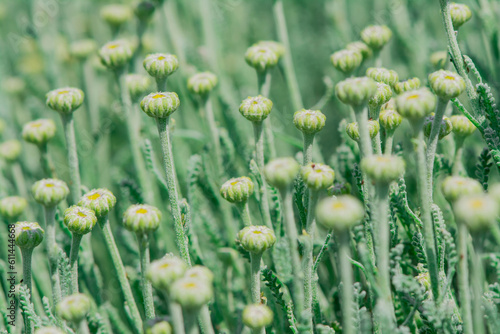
190 322
26 254
147 290
308 260
46 162
432 143
389 138
73 260
364 133
264 87
245 213
52 249
176 316
173 192
477 285
255 259
214 133
308 140
463 279
346 276
19 180
259 153
457 159
74 172
120 273
205 321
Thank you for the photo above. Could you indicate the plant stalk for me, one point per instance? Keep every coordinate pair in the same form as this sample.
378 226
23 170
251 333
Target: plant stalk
147 289
52 250
346 276
463 279
255 259
73 260
308 140
433 142
259 153
26 254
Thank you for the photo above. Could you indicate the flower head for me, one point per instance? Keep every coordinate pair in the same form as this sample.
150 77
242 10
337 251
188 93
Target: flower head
137 85
200 273
454 187
365 50
161 327
446 84
191 293
407 85
390 119
281 172
142 218
256 109
116 14
356 91
444 130
237 190
79 220
376 36
116 54
10 150
317 176
83 48
49 192
309 121
74 308
101 201
439 59
163 272
460 14
479 212
261 57
346 60
277 47
257 316
462 127
256 239
161 104
340 213
416 105
382 95
383 169
28 235
160 65
39 132
65 100
12 207
202 83
383 75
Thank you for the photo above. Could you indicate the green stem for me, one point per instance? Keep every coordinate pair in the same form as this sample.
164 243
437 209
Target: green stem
73 260
19 180
364 133
264 87
389 138
83 327
74 173
52 252
308 260
346 276
377 144
176 316
205 321
135 316
432 143
214 133
308 140
245 213
463 279
47 165
173 193
26 254
190 323
147 290
377 59
259 153
477 285
255 259
457 160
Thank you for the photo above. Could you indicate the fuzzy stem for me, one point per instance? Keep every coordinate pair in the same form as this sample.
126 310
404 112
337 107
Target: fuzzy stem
176 316
308 260
135 316
463 279
74 173
389 138
432 143
190 323
52 247
346 276
255 259
83 327
377 144
205 321
46 162
147 290
173 192
264 87
214 133
478 281
308 140
73 260
26 255
20 182
245 213
457 159
259 153
364 133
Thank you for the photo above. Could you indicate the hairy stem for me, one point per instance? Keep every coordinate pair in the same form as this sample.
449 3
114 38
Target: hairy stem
478 281
346 276
245 213
364 133
308 140
26 254
73 260
190 323
259 153
255 259
74 172
463 279
147 290
205 321
264 87
457 159
389 138
308 260
52 252
432 143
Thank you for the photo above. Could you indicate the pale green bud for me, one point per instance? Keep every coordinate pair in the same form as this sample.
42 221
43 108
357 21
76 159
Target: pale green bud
14 86
200 273
160 65
163 272
116 14
365 50
144 10
390 119
406 86
191 293
256 109
261 57
352 129
462 127
49 192
65 100
237 190
340 213
447 85
10 150
317 176
391 104
446 126
257 316
309 121
137 85
356 91
202 83
383 169
346 60
277 47
479 212
161 104
281 172
28 235
82 49
439 59
12 207
416 105
161 327
460 14
39 132
376 36
142 218
116 54
382 95
79 220
74 308
256 239
381 74
101 201
454 187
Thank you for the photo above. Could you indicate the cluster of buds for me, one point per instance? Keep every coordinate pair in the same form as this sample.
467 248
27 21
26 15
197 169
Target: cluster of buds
352 129
101 201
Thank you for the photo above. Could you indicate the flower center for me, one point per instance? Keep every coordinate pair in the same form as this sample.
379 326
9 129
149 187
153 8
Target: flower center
94 196
81 214
165 265
449 77
63 92
158 96
36 125
141 211
477 204
26 228
338 205
49 185
161 58
414 96
112 46
257 232
190 285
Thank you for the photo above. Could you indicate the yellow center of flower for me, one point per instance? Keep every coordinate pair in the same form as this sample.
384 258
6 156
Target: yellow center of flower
414 96
36 125
94 196
49 185
338 205
141 211
158 96
477 204
234 182
449 77
26 228
257 232
161 58
113 46
62 92
165 265
190 285
382 159
81 214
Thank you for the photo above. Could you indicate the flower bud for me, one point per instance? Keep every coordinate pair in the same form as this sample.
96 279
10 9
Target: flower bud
163 272
200 273
416 105
14 86
391 104
445 129
439 59
191 293
256 239
202 83
356 91
256 109
65 100
365 50
383 169
142 219
144 10
352 129
376 36
309 121
39 132
277 47
462 127
49 192
161 104
460 14
101 201
237 190
116 14
116 54
12 207
281 172
446 85
346 60
137 85
339 213
454 187
160 65
49 330
74 308
82 49
479 212
406 86
161 327
10 150
381 74
79 220
28 235
257 316
261 57
390 119
317 176
382 95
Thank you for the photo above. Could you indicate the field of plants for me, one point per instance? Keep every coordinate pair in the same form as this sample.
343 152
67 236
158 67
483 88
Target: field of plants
249 166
